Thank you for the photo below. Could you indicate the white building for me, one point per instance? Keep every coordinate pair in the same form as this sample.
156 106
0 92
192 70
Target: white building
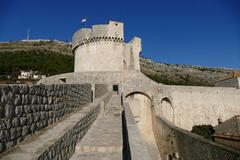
30 75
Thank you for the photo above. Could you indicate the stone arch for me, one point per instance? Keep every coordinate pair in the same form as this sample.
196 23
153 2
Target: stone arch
140 104
138 92
167 110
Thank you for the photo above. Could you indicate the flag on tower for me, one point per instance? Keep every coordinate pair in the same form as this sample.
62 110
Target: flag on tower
84 20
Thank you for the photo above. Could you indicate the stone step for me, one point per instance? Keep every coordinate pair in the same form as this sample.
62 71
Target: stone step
97 156
104 149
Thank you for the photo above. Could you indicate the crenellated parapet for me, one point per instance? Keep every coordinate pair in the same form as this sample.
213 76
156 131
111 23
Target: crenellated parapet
95 40
104 32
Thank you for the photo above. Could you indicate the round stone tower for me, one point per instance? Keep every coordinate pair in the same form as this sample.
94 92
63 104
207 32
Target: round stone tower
102 48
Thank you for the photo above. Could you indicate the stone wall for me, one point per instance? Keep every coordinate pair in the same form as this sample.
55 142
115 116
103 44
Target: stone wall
64 147
26 109
100 90
201 105
172 139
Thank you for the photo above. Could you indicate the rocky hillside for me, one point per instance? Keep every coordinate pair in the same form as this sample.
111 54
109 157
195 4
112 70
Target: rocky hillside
184 74
43 45
46 57
54 57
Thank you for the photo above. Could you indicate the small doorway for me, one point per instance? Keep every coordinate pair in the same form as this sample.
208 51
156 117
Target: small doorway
115 88
62 80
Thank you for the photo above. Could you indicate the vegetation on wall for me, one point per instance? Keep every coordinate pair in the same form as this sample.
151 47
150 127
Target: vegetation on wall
205 131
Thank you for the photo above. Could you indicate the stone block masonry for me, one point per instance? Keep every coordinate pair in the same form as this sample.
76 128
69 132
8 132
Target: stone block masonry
100 89
64 147
26 109
189 146
58 141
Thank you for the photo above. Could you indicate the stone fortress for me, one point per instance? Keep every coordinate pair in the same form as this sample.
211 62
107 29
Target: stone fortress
107 109
105 43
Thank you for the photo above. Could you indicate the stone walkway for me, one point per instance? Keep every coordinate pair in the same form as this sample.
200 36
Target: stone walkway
103 141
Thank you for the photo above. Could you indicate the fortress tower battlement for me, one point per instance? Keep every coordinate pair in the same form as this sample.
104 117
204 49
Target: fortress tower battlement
113 31
102 48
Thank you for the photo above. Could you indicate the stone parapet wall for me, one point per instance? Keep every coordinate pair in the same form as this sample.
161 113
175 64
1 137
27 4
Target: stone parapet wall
25 109
172 139
64 147
201 105
100 90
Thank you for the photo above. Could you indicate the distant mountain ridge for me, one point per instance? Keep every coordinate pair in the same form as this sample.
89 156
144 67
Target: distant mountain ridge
54 57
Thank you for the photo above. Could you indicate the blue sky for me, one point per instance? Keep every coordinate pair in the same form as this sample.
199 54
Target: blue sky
198 32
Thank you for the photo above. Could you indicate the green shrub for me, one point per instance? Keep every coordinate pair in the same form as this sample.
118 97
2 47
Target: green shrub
48 63
205 131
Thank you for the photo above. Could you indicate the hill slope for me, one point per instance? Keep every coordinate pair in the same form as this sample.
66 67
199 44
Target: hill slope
54 57
184 74
47 57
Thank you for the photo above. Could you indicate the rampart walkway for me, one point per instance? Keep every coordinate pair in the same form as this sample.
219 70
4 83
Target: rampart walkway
104 139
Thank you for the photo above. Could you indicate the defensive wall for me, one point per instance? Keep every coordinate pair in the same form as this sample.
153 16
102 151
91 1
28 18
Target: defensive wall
28 110
175 141
201 105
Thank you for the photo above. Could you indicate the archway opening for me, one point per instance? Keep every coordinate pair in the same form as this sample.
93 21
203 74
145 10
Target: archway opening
141 108
167 110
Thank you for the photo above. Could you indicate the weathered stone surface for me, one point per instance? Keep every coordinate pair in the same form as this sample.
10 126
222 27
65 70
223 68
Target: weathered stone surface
2 147
13 132
25 131
25 99
24 89
9 110
23 121
2 135
2 124
15 122
19 111
15 89
4 99
59 141
26 109
18 100
29 119
8 123
34 99
2 111
45 101
6 89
